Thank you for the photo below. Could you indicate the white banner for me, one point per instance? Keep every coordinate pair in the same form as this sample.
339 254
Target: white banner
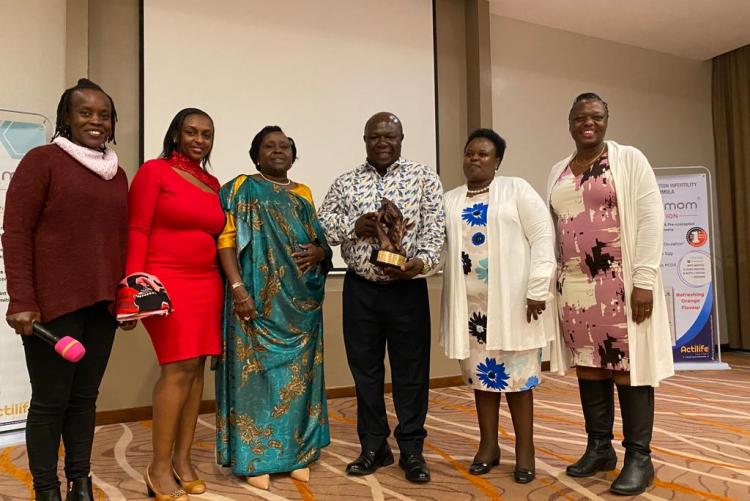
16 138
687 262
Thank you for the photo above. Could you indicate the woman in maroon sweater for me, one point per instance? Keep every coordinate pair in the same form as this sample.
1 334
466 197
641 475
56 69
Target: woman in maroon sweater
65 230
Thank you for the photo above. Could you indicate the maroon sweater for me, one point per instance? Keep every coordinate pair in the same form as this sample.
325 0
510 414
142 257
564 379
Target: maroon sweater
65 231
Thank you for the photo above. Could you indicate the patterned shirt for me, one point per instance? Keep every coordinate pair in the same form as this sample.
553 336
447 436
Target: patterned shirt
413 187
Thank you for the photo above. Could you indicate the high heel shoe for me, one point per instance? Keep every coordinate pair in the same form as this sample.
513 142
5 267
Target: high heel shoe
301 474
260 481
479 468
197 486
176 495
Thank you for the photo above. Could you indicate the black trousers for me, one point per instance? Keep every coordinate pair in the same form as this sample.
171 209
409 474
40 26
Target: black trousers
63 394
395 315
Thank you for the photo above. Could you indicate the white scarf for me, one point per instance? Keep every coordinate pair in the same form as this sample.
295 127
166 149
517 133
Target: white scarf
102 163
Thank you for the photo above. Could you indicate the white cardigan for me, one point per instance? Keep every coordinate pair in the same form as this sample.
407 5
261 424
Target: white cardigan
641 212
520 249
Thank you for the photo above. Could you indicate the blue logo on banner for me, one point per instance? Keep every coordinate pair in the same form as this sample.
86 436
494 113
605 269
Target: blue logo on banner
19 137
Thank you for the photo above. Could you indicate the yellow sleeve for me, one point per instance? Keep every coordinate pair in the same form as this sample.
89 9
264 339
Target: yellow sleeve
303 191
228 236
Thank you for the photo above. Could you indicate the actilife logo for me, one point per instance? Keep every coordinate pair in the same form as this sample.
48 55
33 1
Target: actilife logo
697 236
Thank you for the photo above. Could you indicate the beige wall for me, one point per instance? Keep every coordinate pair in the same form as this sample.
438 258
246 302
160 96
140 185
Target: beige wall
657 102
32 67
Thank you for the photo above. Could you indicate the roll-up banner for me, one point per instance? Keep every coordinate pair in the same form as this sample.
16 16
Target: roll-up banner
688 267
16 138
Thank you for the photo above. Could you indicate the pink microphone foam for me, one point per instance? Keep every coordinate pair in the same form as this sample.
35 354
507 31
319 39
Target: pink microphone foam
70 349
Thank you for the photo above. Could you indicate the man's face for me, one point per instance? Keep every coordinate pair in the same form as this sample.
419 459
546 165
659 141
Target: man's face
383 142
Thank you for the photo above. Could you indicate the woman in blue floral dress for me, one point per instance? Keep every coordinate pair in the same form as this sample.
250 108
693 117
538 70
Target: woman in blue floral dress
498 273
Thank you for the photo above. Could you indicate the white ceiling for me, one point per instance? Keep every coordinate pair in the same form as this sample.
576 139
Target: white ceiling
695 29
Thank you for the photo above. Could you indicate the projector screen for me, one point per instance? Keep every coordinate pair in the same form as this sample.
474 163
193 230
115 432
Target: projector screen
319 69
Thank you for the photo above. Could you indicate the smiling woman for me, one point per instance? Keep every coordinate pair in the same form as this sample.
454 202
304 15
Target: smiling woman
609 216
275 258
62 269
175 217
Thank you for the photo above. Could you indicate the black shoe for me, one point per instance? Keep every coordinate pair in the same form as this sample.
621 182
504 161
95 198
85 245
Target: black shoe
524 476
79 489
369 461
636 476
599 456
598 404
637 408
415 467
480 468
50 495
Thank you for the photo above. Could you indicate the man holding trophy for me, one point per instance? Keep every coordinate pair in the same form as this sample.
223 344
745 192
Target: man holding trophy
387 215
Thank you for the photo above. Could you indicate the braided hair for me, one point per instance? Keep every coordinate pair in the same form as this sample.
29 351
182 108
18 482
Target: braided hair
62 128
590 96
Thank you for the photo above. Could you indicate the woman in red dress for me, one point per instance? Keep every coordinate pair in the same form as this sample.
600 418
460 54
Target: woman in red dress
175 217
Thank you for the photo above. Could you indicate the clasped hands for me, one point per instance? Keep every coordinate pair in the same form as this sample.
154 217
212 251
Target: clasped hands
244 305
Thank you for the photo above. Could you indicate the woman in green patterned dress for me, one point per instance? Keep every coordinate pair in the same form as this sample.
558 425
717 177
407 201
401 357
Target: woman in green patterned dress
271 408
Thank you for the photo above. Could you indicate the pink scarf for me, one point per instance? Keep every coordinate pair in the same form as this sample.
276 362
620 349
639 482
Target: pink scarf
102 163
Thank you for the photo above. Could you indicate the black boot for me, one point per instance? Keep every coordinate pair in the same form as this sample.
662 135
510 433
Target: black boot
79 489
637 408
50 495
598 403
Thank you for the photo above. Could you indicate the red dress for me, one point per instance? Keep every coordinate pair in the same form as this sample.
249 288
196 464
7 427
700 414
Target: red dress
172 231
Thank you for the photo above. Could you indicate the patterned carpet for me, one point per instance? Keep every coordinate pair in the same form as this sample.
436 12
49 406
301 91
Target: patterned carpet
701 450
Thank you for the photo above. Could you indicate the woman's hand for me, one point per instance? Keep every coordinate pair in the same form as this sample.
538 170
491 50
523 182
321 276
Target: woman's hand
127 325
310 255
244 306
23 321
641 304
534 309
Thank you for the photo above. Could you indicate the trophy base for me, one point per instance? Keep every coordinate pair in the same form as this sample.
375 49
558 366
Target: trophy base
387 258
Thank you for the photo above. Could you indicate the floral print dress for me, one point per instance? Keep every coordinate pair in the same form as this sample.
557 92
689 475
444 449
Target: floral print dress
488 370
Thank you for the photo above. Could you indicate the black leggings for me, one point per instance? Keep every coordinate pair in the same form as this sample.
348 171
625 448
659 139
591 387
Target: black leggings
63 394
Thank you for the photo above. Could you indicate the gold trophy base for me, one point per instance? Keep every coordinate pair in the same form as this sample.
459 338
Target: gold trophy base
387 258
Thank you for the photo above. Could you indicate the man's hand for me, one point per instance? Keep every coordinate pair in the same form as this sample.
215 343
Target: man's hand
366 225
408 270
23 321
641 304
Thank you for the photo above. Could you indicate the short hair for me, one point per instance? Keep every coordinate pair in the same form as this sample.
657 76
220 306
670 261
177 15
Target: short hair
169 145
493 137
62 128
590 96
258 140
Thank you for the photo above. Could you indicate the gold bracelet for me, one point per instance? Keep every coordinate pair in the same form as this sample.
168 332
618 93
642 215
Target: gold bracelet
243 300
237 285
